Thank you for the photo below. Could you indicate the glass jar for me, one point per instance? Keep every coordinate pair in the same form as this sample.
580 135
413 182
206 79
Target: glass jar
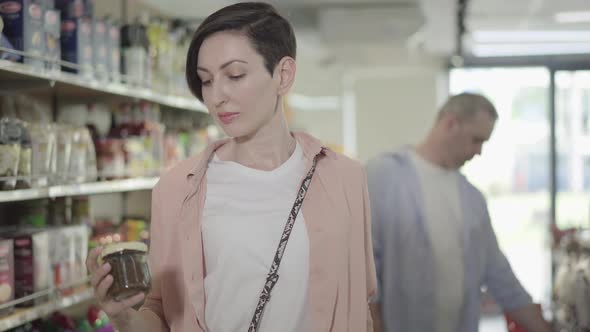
129 268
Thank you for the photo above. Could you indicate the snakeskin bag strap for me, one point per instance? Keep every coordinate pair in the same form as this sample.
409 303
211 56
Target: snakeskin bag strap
273 276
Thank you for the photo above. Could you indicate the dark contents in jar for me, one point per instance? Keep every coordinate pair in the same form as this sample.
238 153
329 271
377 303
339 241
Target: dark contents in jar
130 273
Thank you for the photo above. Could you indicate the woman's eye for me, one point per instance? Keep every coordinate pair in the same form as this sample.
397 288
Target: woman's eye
236 77
206 83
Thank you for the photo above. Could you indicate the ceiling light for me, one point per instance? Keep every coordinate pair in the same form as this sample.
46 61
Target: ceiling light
519 36
503 50
573 17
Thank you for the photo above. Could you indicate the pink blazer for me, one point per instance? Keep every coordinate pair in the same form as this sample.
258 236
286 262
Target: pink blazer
337 215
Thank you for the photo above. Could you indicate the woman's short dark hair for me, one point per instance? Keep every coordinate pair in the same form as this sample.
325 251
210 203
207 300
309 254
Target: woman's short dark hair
270 33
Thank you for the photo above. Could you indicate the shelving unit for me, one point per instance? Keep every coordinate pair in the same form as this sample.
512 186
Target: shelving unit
61 86
16 76
23 315
91 188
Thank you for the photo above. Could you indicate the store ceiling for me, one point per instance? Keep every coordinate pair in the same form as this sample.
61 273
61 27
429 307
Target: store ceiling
339 28
505 27
336 35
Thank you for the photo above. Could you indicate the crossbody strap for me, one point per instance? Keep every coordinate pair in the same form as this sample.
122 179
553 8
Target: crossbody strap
273 277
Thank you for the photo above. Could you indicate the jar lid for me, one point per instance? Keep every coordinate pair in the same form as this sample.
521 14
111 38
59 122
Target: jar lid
116 247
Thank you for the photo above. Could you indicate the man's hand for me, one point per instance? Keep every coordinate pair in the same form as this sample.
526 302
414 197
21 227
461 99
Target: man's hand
531 318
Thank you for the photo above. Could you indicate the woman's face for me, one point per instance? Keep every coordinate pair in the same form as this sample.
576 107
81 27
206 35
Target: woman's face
238 90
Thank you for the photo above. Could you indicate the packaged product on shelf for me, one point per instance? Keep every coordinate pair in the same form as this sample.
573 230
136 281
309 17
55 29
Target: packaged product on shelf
30 109
99 47
48 4
110 158
160 55
24 163
63 153
80 234
104 231
70 8
9 53
74 115
76 45
23 26
61 253
180 40
80 210
134 230
43 144
10 135
98 119
68 251
6 274
61 211
89 8
52 29
174 150
113 41
31 264
134 54
83 157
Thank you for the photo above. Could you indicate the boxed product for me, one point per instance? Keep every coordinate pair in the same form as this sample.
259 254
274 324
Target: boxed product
70 8
99 48
31 264
23 27
76 44
113 41
80 234
52 27
6 274
61 253
48 4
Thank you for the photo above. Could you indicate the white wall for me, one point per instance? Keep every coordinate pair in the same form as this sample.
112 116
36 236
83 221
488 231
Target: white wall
391 106
396 107
325 125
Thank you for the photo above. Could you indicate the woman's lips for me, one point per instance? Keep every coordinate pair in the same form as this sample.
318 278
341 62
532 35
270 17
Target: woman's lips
227 117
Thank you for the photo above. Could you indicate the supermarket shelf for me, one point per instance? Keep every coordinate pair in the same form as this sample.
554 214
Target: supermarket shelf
15 75
91 188
22 316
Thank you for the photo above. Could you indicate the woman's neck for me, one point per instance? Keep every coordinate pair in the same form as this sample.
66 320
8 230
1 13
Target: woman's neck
266 149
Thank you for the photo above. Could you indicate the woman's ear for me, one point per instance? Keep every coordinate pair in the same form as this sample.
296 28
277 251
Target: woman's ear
286 69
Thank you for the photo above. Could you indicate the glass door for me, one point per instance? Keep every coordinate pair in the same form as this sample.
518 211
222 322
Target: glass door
513 173
572 131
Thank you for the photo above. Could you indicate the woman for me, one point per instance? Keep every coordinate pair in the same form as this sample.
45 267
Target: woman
218 218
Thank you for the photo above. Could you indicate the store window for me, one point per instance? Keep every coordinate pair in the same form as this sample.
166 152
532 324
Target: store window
513 171
572 128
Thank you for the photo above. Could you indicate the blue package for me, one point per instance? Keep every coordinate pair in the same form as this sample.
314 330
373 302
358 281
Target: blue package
23 27
4 42
76 44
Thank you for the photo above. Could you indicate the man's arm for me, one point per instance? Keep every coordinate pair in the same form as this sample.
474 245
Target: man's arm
506 288
531 318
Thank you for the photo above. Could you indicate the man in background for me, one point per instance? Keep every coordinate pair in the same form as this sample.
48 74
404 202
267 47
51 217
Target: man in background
433 241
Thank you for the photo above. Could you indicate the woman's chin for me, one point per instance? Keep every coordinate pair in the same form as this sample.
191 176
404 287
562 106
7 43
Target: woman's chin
234 131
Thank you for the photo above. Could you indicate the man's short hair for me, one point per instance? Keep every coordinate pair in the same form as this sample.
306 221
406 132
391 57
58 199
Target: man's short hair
467 105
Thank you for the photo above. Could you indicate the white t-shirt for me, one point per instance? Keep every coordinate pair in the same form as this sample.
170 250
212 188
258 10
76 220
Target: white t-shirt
244 217
444 220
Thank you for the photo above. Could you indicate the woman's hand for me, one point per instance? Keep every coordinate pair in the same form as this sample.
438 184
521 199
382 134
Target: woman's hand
118 311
